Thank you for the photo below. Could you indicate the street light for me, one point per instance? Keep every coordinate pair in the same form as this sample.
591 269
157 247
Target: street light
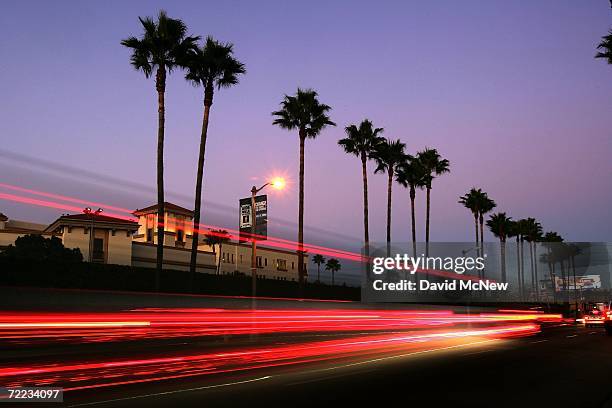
277 183
88 211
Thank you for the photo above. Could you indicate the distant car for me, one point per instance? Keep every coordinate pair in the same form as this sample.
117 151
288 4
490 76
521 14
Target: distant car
608 323
595 318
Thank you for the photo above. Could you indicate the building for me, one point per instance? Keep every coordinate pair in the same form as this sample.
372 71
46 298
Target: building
109 238
272 263
124 242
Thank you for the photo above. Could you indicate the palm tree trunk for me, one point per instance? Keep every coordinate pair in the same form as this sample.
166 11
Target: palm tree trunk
572 259
533 282
413 220
476 229
160 82
522 266
481 219
219 260
389 187
535 269
318 273
427 222
301 216
502 250
333 280
208 96
518 266
366 233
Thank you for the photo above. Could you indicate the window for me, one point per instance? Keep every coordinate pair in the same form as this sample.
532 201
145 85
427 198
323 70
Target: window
281 264
179 235
266 261
292 265
149 234
259 262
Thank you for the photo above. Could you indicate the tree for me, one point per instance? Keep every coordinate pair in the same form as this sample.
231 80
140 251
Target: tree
318 260
551 241
412 175
533 233
389 155
214 238
163 47
606 48
362 142
40 249
334 266
499 225
434 166
303 112
472 201
210 66
486 206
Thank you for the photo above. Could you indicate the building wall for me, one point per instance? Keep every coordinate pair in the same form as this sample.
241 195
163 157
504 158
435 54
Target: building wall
173 222
119 248
77 237
272 264
145 254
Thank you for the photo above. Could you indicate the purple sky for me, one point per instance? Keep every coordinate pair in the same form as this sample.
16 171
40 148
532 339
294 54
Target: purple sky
509 92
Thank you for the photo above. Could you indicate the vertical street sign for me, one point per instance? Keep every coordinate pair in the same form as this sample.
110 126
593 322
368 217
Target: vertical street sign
261 217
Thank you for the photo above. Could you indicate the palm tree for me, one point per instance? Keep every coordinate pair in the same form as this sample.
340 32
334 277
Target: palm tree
211 66
164 46
411 174
389 155
606 48
499 225
214 238
303 112
362 141
334 266
434 166
551 241
472 201
318 260
513 231
533 232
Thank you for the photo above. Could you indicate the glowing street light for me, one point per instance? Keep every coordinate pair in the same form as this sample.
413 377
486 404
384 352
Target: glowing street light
278 183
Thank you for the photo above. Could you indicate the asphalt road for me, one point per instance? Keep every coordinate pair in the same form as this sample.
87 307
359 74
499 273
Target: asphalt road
561 367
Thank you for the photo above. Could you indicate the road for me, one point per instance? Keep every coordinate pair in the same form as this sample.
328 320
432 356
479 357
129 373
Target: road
561 367
219 352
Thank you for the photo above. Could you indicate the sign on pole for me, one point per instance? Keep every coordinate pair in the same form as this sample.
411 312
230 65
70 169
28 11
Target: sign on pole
261 217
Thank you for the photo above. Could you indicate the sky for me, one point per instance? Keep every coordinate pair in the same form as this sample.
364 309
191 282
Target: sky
508 92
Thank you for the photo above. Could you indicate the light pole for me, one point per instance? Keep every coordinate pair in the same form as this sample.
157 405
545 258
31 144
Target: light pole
277 183
91 228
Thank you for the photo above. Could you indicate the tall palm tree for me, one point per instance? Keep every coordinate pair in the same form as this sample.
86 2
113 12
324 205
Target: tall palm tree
163 47
472 201
303 112
334 266
434 166
533 232
499 225
551 241
513 231
389 155
411 174
362 141
214 238
318 260
606 48
210 66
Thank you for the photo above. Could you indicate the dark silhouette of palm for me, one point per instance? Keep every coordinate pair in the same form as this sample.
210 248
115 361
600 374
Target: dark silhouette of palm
434 166
214 238
303 112
163 47
605 48
362 142
499 225
318 260
472 201
334 266
412 174
211 66
389 155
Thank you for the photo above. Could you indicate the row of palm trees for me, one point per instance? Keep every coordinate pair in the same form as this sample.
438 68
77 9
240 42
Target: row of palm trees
411 171
526 230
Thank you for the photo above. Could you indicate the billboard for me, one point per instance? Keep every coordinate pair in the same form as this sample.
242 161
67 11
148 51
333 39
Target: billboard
582 282
261 217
